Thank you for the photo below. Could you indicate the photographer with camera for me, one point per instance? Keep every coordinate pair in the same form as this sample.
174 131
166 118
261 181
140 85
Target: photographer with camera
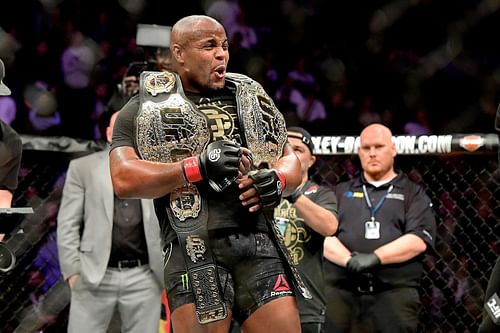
128 87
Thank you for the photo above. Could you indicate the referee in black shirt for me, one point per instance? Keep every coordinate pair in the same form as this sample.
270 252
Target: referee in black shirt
374 261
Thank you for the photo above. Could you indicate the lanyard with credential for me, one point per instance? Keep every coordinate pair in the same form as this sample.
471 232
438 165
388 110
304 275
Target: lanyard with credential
373 210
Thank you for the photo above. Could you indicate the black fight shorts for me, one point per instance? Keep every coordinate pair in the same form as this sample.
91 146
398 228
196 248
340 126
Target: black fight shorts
251 272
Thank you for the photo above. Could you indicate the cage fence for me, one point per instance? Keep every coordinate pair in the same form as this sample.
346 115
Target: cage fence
464 189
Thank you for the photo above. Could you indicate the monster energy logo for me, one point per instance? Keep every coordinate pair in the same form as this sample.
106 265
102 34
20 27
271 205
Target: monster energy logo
185 281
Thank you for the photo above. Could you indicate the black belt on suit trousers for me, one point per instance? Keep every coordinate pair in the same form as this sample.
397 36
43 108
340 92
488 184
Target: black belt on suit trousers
129 263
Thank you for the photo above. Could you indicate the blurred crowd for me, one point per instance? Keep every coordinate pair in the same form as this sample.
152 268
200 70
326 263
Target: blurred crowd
419 67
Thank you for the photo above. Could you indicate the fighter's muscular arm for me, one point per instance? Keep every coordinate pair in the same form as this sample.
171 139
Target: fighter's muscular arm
133 177
136 178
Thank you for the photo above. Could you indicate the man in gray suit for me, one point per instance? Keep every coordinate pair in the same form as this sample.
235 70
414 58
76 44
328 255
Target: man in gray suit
109 250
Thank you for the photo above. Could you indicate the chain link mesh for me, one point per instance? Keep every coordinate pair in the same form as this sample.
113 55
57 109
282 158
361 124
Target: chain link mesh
464 190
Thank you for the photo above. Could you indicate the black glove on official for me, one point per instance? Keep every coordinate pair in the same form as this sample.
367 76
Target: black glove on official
269 186
361 262
218 164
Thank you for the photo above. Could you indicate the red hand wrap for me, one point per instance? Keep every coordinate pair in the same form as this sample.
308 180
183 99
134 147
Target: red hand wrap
282 178
192 171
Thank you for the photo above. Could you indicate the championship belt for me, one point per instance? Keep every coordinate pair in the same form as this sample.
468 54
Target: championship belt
170 128
263 127
264 133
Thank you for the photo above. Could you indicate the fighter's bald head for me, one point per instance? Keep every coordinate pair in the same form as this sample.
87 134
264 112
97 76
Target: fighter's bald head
200 53
189 27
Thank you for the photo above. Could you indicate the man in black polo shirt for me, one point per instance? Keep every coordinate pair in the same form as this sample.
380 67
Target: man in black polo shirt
375 259
109 250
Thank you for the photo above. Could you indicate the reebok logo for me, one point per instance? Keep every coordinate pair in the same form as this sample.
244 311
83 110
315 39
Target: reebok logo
281 287
281 284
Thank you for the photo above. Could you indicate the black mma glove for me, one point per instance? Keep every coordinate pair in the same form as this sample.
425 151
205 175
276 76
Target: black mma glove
218 164
361 262
269 184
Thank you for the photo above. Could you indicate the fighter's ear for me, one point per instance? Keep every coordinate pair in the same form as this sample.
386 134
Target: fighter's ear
177 52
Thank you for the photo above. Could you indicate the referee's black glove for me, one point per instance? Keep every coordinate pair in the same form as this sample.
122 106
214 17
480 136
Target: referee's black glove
361 262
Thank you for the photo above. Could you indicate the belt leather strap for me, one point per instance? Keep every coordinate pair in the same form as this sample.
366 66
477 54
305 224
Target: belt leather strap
169 129
201 269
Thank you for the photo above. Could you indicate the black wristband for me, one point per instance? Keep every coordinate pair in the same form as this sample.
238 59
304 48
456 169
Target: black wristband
292 198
